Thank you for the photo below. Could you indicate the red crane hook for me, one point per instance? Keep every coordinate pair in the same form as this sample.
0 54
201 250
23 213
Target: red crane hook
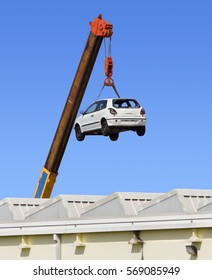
108 65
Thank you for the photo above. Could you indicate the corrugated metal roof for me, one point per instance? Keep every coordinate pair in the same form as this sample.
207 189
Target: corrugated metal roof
120 204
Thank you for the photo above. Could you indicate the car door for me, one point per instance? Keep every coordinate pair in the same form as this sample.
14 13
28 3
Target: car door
98 114
87 121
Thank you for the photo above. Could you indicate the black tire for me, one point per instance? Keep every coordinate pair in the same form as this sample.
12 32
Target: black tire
141 130
105 128
79 135
114 136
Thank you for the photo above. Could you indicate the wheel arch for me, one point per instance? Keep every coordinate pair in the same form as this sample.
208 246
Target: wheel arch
102 119
76 125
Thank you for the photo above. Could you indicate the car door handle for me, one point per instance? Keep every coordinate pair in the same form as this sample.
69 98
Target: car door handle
92 115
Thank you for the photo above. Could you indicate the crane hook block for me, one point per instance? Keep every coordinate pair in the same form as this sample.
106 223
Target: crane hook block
108 71
108 66
101 27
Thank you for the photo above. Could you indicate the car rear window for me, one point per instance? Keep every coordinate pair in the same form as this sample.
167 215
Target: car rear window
125 103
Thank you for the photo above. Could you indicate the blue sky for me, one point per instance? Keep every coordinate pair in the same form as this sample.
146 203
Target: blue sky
162 52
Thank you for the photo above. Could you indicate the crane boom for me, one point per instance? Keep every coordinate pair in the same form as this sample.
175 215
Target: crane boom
99 29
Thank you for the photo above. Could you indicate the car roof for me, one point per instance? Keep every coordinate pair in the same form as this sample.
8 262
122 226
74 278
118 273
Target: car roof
116 98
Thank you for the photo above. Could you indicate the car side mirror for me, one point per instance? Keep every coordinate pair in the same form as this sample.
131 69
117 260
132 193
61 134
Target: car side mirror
82 112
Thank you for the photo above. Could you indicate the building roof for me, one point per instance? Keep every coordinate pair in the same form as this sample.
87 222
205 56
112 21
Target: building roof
119 204
178 208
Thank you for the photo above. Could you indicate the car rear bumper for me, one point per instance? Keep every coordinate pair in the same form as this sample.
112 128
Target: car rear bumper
122 122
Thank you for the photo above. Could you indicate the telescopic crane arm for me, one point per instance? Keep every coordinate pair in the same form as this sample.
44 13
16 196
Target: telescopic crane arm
99 30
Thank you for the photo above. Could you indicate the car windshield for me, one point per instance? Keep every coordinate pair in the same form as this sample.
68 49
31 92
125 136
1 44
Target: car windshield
125 103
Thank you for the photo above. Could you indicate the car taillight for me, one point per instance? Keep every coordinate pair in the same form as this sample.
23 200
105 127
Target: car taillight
142 112
112 111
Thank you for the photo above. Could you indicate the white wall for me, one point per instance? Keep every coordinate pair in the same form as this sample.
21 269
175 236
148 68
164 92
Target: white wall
158 245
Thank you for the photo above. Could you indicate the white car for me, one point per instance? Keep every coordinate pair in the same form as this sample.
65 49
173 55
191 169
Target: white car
109 117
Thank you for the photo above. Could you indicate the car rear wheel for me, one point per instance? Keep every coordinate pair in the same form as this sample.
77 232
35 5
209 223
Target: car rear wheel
105 128
141 130
79 135
114 136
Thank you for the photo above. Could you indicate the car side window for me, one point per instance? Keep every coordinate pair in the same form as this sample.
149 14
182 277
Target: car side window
91 108
101 105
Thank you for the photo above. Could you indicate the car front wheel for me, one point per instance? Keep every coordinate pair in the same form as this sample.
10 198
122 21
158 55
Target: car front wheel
141 130
79 135
105 128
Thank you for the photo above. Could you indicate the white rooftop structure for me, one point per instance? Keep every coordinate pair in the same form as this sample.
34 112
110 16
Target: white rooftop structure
120 204
180 215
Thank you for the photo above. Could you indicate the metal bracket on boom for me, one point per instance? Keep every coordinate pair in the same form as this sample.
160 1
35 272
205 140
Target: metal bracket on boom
45 184
101 27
